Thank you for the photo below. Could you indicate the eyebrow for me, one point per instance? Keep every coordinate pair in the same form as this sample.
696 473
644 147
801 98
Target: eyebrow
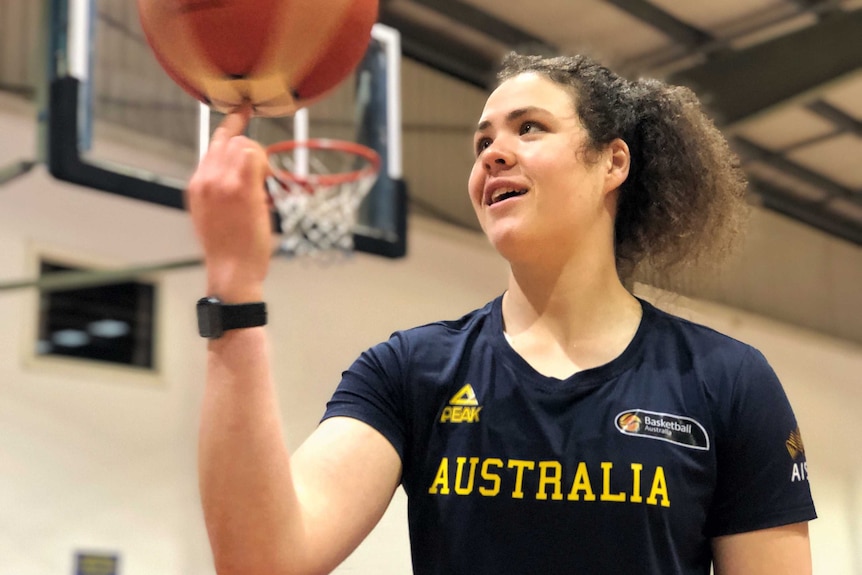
513 115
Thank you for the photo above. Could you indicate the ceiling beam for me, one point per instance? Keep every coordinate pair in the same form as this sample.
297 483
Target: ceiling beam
670 25
812 214
484 23
818 6
737 85
755 153
844 121
451 56
433 47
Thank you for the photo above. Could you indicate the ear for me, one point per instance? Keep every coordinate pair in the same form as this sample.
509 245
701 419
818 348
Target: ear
617 162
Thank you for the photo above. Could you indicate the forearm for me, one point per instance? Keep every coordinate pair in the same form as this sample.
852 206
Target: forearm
249 503
784 550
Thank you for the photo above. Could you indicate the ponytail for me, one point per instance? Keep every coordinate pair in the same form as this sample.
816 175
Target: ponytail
683 202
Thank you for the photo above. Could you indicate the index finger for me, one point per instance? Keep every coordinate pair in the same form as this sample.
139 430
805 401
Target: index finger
234 124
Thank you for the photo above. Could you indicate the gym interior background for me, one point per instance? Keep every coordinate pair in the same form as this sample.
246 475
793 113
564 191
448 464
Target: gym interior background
100 459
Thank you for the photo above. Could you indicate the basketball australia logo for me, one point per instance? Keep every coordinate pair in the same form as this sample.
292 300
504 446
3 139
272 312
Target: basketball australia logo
676 429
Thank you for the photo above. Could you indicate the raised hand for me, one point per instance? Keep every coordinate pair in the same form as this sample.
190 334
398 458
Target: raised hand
230 211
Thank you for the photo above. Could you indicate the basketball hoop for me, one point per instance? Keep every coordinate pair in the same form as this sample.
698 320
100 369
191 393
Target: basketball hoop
316 186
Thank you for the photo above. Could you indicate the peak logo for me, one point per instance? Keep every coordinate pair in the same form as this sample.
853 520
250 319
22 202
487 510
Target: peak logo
462 408
676 429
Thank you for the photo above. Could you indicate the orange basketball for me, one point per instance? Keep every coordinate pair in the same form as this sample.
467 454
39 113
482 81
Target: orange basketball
277 54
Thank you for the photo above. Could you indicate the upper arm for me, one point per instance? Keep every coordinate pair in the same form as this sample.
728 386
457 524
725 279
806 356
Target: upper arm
784 550
761 466
345 475
762 501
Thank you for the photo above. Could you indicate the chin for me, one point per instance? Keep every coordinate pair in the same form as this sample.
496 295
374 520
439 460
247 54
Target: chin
511 244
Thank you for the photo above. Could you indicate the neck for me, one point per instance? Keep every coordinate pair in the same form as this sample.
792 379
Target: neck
575 291
579 315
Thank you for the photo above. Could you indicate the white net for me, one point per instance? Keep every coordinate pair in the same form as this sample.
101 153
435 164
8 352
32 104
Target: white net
318 209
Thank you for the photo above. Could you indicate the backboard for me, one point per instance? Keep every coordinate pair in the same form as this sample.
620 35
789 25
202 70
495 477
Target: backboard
105 86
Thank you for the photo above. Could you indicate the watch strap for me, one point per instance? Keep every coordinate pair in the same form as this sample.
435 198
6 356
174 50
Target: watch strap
216 317
240 315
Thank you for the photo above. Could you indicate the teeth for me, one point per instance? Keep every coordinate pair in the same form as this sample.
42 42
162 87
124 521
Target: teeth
503 193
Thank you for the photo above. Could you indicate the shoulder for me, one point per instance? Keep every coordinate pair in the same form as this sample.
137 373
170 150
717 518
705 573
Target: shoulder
723 366
439 336
465 323
425 345
694 339
732 376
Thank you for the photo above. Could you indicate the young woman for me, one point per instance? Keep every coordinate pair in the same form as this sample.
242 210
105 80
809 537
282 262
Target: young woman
565 427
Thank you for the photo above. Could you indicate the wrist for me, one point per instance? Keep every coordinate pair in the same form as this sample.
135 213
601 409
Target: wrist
231 292
236 296
215 317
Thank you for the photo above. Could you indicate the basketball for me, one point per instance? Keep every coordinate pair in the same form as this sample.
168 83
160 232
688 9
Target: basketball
279 55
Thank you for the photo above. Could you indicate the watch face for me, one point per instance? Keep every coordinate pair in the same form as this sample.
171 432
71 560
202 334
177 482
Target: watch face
209 318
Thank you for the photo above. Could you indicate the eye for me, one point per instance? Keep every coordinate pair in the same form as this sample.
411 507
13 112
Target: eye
482 144
530 127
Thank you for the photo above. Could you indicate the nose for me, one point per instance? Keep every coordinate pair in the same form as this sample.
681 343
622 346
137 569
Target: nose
497 157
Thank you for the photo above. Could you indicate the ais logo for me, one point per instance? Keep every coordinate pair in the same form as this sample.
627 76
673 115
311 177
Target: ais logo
796 449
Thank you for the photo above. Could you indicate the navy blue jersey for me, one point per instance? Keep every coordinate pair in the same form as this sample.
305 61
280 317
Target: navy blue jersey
633 465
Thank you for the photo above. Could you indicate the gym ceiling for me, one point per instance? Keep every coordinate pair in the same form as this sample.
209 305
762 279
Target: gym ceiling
783 78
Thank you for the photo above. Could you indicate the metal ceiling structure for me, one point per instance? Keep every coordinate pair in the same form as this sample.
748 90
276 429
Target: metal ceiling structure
783 79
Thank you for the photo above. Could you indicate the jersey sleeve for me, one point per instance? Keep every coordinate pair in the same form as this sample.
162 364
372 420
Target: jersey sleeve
762 473
372 390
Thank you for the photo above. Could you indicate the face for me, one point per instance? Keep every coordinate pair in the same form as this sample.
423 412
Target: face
533 186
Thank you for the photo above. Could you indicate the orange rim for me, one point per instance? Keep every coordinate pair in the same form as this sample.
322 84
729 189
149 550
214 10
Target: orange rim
346 147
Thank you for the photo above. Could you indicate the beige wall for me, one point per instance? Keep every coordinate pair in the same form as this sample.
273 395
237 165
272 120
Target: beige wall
103 459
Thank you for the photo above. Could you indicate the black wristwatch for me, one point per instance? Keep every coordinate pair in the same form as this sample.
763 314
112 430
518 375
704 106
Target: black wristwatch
215 317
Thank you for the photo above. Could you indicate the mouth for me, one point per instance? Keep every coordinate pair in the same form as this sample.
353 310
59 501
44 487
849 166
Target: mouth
504 194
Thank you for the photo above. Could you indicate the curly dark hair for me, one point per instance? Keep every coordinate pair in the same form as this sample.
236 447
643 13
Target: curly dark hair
684 199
